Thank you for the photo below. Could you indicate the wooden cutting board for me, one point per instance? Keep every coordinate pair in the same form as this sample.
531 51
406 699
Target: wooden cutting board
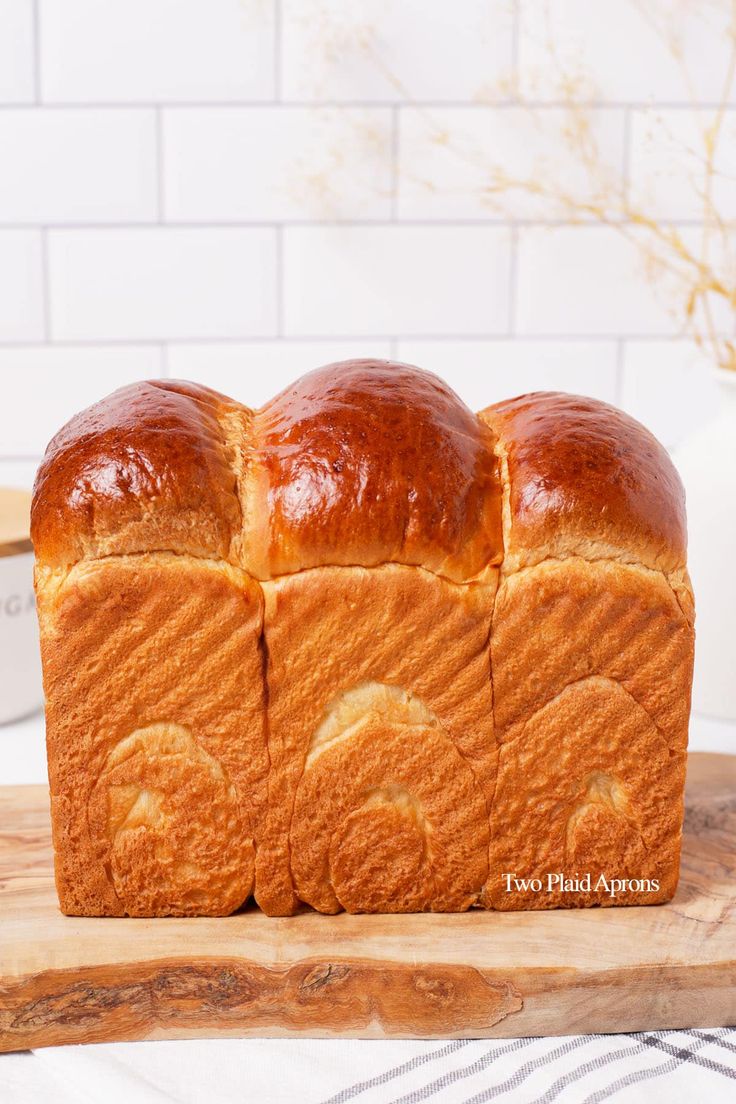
482 974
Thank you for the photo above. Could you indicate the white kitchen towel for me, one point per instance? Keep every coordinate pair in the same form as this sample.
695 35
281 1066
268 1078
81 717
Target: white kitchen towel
676 1066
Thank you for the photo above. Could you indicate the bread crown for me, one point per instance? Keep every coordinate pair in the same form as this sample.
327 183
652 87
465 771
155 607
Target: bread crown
357 463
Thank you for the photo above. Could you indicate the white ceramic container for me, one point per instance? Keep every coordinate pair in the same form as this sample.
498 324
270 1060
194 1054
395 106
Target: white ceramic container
20 666
707 463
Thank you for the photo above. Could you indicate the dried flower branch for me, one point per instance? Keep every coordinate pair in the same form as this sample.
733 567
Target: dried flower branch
697 260
704 268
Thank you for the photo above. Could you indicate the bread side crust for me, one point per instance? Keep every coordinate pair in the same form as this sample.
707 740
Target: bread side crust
359 633
155 733
591 707
591 712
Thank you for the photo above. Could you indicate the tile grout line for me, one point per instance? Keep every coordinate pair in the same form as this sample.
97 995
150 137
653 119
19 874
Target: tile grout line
516 50
505 104
513 278
626 158
340 338
395 151
36 17
352 223
277 43
159 123
46 284
279 281
619 381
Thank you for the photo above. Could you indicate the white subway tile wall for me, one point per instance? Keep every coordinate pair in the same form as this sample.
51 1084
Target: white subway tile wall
668 386
585 279
633 50
51 383
70 166
143 51
21 285
396 279
471 162
276 164
380 51
668 157
163 282
235 191
17 70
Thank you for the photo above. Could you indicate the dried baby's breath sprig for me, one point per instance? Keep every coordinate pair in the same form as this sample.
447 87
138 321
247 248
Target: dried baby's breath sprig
700 266
692 264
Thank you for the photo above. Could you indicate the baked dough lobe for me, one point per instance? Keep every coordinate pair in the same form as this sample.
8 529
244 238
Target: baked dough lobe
591 715
360 649
354 651
155 732
582 478
366 462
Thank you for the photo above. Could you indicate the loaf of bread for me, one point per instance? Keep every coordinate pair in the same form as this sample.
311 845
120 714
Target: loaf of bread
361 649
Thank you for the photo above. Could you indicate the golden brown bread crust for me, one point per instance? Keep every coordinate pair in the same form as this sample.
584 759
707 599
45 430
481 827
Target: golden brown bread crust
604 618
155 728
368 462
373 725
401 699
591 712
146 469
591 707
585 479
362 463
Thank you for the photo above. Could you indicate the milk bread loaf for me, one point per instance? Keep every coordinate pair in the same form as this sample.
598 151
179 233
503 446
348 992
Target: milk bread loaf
360 649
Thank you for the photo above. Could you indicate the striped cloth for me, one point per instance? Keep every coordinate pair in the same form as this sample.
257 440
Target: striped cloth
672 1066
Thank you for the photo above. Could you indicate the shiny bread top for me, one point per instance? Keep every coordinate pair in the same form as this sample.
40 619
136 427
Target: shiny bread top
357 463
146 469
585 479
367 462
363 462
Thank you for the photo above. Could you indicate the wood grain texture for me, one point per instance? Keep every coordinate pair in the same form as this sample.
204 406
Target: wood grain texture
481 974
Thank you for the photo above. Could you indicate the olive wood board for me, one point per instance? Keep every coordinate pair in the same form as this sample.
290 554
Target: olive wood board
480 974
